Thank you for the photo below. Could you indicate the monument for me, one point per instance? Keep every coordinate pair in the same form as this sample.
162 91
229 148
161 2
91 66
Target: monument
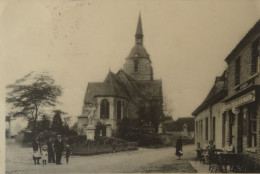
91 127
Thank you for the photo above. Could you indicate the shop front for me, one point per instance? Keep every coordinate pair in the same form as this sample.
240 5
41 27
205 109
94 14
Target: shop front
240 119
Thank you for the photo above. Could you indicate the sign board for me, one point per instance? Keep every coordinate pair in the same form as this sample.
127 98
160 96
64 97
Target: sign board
242 100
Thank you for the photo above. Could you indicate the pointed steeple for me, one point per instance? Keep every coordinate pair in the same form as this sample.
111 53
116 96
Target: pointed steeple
139 31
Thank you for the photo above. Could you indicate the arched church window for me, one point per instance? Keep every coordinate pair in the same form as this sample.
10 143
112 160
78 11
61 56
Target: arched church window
135 66
104 109
118 109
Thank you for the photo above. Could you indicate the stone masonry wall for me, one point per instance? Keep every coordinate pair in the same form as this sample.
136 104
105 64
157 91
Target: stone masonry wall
144 68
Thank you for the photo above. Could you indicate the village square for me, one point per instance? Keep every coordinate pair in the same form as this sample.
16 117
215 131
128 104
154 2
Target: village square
137 112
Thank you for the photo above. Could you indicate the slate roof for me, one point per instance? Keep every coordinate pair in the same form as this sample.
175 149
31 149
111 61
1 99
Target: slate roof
139 29
216 93
140 49
110 87
114 86
246 39
178 124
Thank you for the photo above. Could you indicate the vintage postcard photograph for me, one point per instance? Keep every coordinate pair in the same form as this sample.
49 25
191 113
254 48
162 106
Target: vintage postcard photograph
130 86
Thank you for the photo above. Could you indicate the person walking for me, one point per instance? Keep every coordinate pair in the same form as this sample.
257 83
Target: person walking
179 151
58 148
51 156
68 152
36 151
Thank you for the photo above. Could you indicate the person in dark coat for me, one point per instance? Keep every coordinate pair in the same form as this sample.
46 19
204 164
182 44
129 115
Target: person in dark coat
51 156
36 151
179 152
68 152
58 148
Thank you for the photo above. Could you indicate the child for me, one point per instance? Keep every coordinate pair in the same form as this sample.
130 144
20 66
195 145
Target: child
36 151
44 154
67 153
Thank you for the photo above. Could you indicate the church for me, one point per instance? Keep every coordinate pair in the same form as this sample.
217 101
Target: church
122 94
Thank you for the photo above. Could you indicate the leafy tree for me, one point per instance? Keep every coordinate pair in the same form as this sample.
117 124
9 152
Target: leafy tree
57 121
167 107
31 93
44 124
65 129
151 114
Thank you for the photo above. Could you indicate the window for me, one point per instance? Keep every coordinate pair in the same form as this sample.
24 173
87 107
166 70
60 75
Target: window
136 54
223 130
237 71
197 131
231 119
252 142
104 109
201 129
214 128
118 110
136 66
255 54
207 129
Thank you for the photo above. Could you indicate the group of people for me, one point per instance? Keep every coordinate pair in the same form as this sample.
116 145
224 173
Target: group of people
229 148
50 151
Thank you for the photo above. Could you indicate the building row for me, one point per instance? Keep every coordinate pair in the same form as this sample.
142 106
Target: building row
231 110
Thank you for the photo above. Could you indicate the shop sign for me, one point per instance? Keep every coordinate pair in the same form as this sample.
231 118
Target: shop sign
244 99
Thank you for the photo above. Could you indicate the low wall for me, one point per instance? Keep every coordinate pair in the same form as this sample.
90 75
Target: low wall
94 149
170 140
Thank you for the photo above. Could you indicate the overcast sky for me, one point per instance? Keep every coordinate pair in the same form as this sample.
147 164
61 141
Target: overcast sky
77 41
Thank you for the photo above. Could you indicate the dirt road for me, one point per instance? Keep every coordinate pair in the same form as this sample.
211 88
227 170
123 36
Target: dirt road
19 160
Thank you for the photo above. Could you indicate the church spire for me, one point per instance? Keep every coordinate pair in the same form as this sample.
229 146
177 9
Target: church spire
139 32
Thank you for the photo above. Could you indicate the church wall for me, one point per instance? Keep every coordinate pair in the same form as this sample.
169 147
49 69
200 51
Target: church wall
111 108
132 110
144 68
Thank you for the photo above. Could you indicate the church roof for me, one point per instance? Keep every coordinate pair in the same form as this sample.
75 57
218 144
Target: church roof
110 87
140 50
128 88
139 29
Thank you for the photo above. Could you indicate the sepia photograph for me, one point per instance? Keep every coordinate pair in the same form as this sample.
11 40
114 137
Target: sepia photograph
130 86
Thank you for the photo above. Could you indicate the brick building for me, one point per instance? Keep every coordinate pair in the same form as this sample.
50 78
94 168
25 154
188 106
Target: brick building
237 117
124 93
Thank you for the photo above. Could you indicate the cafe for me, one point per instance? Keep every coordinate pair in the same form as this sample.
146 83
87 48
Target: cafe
234 117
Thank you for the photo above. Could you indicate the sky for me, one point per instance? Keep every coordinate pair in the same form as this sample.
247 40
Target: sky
78 41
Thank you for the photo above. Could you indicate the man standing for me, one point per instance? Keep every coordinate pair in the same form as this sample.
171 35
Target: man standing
51 157
58 146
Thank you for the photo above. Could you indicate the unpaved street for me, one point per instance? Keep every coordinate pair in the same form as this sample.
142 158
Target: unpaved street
19 160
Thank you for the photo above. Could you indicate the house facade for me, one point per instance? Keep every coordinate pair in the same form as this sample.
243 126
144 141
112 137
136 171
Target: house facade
241 116
183 126
236 115
124 93
208 116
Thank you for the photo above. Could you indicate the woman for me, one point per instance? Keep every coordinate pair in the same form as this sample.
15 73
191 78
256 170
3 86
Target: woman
179 152
36 151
